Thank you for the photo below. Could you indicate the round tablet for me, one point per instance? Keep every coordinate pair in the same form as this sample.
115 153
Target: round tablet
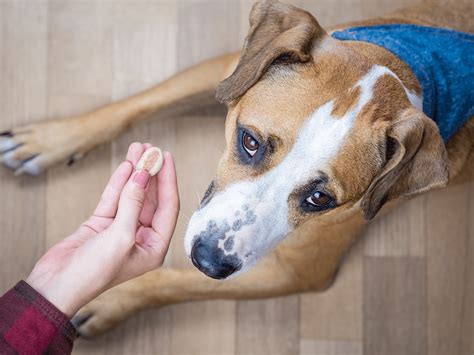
151 161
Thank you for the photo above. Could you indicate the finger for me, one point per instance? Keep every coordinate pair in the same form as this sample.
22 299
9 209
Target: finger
131 203
164 220
150 198
108 203
135 151
151 203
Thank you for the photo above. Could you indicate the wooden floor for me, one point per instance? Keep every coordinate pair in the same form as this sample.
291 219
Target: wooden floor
407 287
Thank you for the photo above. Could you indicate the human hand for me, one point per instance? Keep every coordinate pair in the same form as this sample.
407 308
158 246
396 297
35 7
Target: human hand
127 235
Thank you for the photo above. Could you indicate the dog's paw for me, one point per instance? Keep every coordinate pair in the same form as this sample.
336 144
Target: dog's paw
34 148
103 313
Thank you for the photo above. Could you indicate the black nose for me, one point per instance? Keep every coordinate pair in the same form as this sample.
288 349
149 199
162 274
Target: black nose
213 262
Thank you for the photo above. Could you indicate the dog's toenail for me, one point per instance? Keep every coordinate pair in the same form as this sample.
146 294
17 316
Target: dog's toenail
7 145
6 134
74 158
77 321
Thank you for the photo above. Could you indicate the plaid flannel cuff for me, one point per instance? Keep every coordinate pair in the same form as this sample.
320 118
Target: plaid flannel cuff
30 324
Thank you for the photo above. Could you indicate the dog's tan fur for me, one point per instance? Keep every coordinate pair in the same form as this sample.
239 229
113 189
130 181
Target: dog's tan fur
310 258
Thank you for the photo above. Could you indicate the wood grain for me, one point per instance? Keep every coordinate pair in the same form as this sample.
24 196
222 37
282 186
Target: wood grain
394 306
467 324
448 239
330 347
268 326
407 286
24 30
336 314
400 233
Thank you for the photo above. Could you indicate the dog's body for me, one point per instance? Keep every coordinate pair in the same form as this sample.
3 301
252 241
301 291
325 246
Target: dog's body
350 108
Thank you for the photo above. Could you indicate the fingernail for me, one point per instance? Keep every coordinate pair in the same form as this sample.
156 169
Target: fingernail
141 178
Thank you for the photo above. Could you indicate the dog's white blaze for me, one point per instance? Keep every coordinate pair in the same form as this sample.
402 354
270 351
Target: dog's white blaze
318 141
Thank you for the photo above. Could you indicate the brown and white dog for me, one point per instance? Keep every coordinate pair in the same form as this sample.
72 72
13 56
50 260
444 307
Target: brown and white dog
320 134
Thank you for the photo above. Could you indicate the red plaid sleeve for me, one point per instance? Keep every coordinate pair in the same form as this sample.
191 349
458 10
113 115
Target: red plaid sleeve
30 324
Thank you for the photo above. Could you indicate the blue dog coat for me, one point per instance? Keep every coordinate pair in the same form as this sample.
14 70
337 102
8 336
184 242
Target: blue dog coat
441 59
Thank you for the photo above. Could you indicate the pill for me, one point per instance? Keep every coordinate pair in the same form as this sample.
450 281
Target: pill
151 161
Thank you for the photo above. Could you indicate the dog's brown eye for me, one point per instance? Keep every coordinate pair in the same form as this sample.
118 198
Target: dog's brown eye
250 144
319 199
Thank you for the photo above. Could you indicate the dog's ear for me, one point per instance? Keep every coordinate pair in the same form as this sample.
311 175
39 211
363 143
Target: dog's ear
276 31
415 161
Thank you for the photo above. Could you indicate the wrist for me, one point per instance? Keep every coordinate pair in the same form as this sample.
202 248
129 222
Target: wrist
59 295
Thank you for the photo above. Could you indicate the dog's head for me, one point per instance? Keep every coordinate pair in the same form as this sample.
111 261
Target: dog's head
317 130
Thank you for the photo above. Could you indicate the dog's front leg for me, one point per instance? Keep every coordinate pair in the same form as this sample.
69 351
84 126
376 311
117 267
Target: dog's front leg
306 260
33 148
272 277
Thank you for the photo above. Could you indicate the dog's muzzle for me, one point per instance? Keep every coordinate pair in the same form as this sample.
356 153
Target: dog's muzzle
212 261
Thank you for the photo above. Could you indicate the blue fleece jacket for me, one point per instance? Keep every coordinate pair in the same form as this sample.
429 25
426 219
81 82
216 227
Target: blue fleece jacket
441 59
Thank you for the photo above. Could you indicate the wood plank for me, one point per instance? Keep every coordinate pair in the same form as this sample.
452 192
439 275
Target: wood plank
400 232
80 73
330 347
336 314
268 326
329 12
147 332
394 306
447 247
467 337
23 44
206 28
203 328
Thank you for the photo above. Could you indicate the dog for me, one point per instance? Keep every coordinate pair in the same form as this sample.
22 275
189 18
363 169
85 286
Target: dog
323 130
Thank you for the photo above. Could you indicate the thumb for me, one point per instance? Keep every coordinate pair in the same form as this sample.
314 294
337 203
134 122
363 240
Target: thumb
131 201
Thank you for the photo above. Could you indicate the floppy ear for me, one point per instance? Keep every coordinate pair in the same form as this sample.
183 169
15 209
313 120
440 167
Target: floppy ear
276 30
416 161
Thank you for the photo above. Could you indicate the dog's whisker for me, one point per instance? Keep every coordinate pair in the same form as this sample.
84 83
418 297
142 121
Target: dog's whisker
197 193
187 218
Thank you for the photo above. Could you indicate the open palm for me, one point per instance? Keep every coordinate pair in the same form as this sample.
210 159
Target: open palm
127 235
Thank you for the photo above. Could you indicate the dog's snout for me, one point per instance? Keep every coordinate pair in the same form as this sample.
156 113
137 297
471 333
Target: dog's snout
212 261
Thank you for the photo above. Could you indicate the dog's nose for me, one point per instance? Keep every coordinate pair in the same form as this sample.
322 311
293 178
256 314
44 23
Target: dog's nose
212 261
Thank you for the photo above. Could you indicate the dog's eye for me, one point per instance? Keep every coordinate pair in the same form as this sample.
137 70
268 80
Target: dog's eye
250 144
251 147
319 199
